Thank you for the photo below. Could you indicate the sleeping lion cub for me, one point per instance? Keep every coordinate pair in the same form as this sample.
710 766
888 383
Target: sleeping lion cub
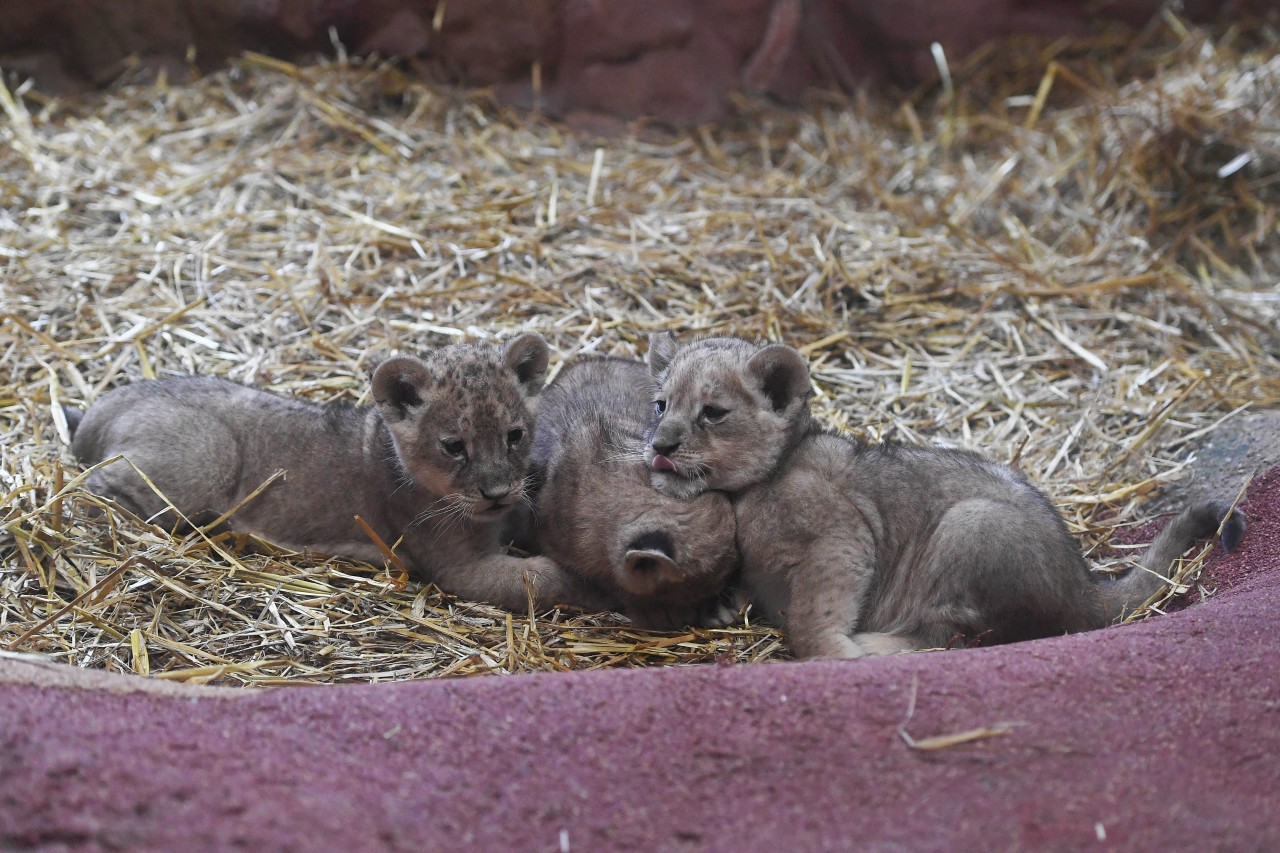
436 465
663 560
860 549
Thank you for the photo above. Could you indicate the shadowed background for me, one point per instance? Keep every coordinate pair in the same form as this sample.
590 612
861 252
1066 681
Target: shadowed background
671 60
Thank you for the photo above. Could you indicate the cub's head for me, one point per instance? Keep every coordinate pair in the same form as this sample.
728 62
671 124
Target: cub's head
462 419
724 412
660 557
672 551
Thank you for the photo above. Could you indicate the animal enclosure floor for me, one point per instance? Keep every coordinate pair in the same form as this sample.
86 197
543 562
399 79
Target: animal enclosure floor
1156 736
1067 262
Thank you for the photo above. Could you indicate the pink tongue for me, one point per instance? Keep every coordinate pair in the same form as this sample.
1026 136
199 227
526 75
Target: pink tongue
662 463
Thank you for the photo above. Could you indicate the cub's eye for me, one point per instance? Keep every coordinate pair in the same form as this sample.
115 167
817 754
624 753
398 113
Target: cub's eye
454 447
713 414
659 406
514 436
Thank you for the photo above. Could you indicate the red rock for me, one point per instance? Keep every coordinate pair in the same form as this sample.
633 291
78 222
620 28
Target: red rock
621 30
671 60
683 84
485 42
780 41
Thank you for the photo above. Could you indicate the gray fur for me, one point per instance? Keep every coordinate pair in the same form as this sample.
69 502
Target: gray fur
741 379
663 560
207 443
862 550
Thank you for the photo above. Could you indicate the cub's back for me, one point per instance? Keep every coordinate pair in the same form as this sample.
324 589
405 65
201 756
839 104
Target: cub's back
164 410
942 477
615 389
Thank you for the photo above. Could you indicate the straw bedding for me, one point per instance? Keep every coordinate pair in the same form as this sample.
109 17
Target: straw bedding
1069 273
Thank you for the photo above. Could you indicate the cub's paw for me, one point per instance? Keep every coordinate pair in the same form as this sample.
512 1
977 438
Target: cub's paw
661 617
716 612
1206 517
724 609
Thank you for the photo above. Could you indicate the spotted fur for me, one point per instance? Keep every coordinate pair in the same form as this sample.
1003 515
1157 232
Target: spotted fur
436 465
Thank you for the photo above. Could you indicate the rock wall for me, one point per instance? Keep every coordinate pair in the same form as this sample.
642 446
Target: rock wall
672 60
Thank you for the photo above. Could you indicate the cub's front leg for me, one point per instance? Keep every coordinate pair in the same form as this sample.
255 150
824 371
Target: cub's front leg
827 596
813 583
829 603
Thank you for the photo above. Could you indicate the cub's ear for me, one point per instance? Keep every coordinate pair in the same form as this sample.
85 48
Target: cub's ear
399 386
527 356
662 348
781 374
645 571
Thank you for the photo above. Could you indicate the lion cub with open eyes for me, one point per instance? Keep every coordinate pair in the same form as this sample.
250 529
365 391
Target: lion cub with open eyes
863 550
436 464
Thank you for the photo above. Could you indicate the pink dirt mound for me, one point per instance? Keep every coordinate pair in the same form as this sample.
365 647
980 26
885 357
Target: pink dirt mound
1161 735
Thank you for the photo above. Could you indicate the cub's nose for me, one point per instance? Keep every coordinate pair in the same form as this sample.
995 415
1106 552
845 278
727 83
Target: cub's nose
665 449
495 493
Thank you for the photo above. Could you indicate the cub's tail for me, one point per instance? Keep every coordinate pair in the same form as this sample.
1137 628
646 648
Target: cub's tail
74 416
1126 594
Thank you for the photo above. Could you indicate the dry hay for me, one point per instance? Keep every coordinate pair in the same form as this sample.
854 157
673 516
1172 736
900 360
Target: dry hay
1066 273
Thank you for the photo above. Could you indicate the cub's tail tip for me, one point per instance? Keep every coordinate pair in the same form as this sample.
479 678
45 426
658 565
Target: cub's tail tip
1212 515
1233 530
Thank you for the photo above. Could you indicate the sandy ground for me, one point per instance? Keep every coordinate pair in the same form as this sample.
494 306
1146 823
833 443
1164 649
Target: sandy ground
1241 448
1159 735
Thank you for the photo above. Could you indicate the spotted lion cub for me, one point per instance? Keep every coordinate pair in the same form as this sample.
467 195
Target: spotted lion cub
436 464
860 549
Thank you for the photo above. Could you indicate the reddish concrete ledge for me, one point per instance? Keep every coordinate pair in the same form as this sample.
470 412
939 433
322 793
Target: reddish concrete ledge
1161 735
673 60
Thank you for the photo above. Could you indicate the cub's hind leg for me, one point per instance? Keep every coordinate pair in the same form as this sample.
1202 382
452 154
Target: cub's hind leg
120 482
196 472
993 571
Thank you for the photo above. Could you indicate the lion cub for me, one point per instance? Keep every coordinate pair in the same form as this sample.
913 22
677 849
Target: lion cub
436 464
663 560
864 550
